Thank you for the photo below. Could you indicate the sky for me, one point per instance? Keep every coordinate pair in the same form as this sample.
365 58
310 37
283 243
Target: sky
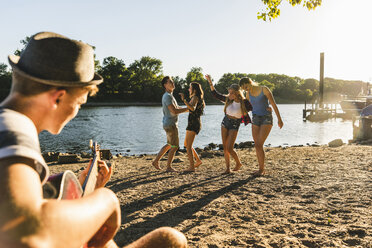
220 36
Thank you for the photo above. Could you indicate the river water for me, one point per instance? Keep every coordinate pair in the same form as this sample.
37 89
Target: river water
138 130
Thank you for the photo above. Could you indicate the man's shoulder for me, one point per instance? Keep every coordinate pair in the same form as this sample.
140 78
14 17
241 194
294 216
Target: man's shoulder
167 98
167 94
19 138
13 120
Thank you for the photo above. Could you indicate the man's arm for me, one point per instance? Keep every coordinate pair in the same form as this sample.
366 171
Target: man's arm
26 218
176 110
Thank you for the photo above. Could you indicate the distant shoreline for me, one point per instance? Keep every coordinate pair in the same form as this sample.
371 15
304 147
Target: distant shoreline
119 104
140 104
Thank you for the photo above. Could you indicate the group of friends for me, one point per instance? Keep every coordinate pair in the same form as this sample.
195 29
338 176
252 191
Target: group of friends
51 79
257 99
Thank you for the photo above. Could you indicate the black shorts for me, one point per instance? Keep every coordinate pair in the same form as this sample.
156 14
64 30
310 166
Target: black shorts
195 127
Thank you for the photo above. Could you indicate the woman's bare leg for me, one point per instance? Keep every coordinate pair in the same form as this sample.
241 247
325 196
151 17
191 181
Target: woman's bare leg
224 135
230 146
260 134
198 162
189 140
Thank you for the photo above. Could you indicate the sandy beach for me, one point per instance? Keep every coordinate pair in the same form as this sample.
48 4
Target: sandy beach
310 197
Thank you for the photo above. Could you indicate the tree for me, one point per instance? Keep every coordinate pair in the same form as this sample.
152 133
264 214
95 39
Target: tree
24 42
146 77
269 85
225 81
311 84
116 79
196 75
273 11
5 81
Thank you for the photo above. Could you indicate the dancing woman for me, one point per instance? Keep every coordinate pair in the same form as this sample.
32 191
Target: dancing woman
196 108
236 110
262 120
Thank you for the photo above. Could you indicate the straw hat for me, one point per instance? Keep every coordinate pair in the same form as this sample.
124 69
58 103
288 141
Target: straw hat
53 59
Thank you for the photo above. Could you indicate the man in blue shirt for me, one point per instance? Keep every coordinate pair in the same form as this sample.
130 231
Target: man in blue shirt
171 110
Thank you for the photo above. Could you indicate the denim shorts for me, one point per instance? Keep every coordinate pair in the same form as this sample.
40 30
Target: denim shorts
259 120
231 124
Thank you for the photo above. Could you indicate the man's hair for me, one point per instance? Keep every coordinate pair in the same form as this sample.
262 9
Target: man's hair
29 87
165 80
245 80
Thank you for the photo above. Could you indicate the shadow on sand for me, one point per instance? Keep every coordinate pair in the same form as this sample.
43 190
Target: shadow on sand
174 216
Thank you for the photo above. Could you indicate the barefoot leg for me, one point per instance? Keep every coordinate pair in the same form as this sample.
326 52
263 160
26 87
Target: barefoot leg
162 151
171 153
225 134
189 140
260 134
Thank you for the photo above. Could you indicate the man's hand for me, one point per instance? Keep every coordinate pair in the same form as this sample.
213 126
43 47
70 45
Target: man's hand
103 176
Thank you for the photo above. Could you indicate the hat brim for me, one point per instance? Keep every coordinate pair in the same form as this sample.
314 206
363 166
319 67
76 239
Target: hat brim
13 61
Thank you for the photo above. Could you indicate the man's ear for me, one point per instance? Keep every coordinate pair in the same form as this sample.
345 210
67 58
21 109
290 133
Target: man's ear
56 96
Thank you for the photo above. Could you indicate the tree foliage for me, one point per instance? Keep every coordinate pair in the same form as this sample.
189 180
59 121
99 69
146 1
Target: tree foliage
272 10
141 82
5 80
24 43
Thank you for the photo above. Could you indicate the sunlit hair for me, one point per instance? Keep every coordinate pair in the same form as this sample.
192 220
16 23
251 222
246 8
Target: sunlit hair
241 99
29 87
197 90
165 80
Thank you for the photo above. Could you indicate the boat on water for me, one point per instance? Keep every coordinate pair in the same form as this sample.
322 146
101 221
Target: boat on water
354 105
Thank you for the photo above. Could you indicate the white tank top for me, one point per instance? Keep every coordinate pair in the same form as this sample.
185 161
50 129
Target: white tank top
234 110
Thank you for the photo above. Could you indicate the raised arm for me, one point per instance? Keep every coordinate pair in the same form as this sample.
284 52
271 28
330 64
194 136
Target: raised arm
214 92
192 104
27 218
208 77
269 96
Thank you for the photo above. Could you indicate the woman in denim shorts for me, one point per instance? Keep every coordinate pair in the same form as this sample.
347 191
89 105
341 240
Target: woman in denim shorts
262 120
236 111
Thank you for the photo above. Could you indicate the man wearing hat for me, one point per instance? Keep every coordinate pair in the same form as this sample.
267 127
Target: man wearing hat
51 80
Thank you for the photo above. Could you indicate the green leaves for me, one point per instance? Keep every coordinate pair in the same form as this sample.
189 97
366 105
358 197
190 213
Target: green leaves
272 10
24 43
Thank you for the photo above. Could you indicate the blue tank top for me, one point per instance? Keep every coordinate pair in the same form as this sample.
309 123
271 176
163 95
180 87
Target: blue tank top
259 103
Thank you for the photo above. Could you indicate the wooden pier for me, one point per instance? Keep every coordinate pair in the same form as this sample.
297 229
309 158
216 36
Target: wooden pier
319 112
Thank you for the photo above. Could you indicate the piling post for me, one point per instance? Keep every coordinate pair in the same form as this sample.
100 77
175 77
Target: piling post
321 80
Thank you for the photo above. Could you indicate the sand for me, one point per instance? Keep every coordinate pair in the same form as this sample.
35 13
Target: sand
310 197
